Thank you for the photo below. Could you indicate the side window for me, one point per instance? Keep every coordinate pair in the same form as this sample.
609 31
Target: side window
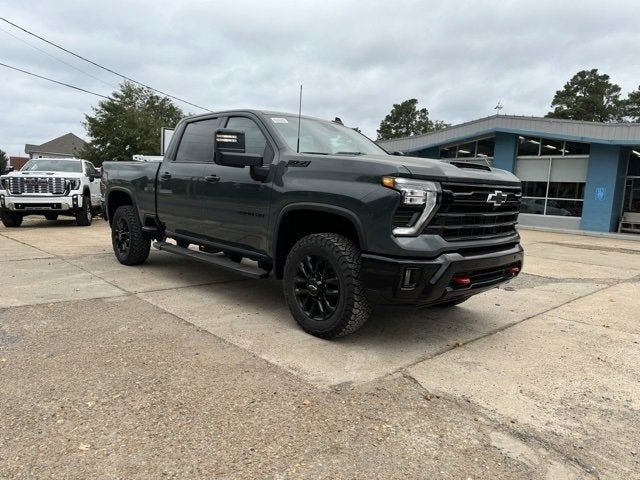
196 144
255 141
89 168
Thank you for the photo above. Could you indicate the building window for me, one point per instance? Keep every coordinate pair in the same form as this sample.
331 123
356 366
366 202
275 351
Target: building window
528 146
552 186
536 147
449 152
486 147
476 150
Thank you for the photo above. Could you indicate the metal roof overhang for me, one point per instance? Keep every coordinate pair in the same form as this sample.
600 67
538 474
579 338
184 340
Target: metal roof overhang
625 134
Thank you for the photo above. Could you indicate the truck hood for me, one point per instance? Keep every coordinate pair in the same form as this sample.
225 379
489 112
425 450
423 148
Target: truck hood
44 174
432 169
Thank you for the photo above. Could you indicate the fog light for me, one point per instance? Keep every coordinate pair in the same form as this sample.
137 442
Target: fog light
2 201
74 199
411 277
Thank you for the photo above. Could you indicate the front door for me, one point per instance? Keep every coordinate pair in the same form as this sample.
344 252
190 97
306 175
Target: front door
94 186
235 203
181 178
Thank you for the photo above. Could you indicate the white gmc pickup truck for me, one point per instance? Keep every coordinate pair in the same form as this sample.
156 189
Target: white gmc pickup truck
51 187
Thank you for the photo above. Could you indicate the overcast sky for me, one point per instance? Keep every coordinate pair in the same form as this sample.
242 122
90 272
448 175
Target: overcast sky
355 58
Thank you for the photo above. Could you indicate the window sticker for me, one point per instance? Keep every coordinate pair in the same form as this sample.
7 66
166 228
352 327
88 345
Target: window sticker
279 120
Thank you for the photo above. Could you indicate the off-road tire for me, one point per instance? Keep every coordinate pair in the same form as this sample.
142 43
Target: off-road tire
11 219
139 244
51 216
84 217
352 309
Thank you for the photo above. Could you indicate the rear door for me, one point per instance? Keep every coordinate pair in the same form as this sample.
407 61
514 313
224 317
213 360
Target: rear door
236 202
181 178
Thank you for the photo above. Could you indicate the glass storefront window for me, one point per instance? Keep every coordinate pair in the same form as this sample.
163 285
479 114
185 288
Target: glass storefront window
486 147
551 147
575 148
536 147
552 186
528 146
480 149
467 150
448 152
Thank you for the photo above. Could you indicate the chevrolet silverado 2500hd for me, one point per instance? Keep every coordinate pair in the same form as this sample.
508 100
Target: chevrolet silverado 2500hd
342 222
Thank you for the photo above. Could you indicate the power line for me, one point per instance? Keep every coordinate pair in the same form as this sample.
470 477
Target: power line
57 58
55 81
101 66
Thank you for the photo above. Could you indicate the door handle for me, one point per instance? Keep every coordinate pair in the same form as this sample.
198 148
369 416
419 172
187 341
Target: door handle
165 176
212 178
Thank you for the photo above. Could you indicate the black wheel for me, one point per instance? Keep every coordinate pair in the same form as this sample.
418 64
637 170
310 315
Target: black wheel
322 285
182 243
130 244
451 303
85 215
51 216
11 219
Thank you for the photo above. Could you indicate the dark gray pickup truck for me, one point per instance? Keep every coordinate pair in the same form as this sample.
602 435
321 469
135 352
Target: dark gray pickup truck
344 224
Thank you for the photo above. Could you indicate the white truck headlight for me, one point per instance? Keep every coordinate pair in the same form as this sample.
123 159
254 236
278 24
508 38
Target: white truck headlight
415 193
73 183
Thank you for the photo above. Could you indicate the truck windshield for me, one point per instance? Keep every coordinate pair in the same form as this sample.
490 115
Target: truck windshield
52 165
322 137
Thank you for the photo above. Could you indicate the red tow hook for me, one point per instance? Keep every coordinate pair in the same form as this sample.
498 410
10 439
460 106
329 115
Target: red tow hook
461 280
513 270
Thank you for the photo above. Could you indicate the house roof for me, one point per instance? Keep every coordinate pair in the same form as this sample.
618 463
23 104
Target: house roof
574 130
68 144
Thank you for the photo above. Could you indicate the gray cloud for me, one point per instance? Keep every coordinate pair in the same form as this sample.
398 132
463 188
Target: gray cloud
355 59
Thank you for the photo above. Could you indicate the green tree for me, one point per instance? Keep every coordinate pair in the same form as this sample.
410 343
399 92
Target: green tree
588 96
405 119
4 160
632 106
128 123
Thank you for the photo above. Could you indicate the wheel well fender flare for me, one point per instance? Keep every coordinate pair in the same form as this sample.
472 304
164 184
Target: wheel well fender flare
119 191
320 207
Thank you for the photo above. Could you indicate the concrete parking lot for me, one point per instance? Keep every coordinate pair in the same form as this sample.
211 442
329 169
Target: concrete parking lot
176 369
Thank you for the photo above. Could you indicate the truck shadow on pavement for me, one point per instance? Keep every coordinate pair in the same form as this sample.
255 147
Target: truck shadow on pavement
253 315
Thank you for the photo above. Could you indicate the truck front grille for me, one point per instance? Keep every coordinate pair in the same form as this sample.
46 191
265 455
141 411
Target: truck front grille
36 185
466 213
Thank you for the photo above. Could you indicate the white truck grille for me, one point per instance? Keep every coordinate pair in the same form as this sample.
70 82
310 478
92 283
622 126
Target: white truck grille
37 185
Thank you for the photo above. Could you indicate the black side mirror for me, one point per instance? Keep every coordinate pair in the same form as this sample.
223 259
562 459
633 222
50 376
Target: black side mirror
92 177
229 150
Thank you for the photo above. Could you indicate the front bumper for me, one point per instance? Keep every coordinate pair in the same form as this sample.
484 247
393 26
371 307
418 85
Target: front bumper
40 204
422 282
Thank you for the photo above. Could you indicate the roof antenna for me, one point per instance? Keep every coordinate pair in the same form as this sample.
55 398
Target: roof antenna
299 119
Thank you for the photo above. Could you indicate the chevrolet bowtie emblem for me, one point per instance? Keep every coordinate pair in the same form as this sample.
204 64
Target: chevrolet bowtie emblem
497 198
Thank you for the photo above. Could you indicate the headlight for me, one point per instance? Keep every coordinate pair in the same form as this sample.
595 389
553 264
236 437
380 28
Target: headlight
73 183
415 193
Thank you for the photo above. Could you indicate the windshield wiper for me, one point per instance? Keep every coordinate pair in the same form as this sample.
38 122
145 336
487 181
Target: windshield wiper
316 153
350 153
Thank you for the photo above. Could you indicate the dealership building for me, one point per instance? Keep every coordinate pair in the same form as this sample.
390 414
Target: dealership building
575 175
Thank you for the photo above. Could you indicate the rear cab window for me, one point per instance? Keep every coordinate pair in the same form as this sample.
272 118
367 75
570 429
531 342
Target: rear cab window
196 144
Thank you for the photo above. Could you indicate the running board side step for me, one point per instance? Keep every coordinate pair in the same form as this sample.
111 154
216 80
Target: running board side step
215 260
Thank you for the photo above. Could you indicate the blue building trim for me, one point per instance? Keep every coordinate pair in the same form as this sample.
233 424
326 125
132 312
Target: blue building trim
606 173
504 154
